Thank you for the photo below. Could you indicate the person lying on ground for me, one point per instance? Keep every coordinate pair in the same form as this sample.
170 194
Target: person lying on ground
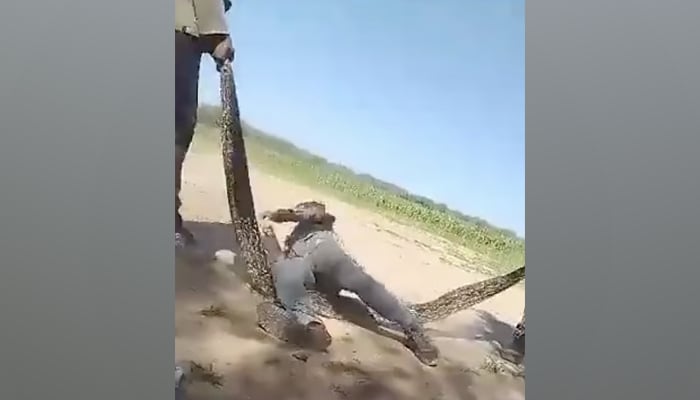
313 254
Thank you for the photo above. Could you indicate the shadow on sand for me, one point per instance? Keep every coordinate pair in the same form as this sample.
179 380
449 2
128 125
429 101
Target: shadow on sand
274 374
277 372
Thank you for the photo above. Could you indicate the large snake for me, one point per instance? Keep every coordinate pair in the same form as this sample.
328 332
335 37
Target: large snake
240 196
257 254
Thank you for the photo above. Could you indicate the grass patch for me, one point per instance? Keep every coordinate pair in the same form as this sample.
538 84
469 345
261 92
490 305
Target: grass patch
501 249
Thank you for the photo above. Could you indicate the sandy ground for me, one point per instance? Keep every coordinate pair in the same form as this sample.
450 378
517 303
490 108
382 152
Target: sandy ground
360 364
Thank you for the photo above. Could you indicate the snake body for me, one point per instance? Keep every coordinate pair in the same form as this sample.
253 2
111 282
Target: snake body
259 250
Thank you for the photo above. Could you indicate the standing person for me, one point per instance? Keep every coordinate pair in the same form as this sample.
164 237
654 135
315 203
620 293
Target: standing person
200 27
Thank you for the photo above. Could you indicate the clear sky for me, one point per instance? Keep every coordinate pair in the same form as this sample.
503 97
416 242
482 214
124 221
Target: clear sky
426 94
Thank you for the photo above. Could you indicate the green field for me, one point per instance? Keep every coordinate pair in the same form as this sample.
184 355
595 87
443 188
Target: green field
500 249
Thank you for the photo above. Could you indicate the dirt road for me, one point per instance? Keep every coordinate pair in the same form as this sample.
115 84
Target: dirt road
360 364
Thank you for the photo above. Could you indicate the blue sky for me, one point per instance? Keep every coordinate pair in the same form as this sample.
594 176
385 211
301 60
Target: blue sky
429 95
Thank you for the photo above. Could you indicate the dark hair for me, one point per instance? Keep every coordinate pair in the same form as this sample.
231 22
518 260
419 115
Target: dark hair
227 5
310 203
314 210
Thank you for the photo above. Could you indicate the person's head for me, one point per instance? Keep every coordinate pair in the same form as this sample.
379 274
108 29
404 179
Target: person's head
310 208
314 210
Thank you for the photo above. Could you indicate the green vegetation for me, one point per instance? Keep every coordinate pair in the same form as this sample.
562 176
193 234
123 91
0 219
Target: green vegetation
500 248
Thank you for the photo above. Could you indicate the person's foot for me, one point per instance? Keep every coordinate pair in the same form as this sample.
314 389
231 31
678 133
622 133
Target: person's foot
186 245
184 238
518 342
287 326
422 346
517 348
318 336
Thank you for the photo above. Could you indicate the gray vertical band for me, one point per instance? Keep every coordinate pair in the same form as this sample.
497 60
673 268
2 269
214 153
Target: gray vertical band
612 199
86 188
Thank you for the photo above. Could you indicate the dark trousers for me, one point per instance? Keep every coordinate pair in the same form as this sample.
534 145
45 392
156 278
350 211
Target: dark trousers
329 262
188 55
